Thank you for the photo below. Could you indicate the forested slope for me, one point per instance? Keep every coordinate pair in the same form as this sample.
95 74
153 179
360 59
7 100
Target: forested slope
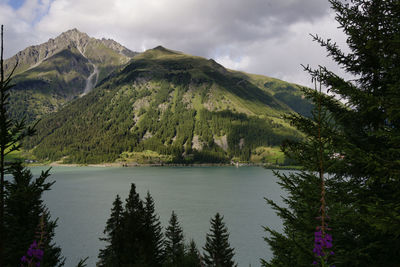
184 109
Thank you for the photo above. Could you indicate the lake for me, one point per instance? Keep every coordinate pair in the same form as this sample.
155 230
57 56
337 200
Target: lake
82 198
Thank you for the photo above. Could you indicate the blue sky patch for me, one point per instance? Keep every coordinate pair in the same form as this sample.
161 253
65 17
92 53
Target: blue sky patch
16 3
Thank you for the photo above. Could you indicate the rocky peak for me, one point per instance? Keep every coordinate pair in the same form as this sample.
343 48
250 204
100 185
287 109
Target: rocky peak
74 31
110 43
34 55
79 39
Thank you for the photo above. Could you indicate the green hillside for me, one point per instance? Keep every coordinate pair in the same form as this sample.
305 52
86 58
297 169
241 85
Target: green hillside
53 73
45 88
166 106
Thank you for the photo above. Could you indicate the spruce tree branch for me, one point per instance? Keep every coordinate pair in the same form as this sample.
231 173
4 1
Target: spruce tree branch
8 79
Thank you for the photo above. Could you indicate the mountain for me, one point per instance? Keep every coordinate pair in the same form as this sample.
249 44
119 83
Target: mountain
166 106
50 74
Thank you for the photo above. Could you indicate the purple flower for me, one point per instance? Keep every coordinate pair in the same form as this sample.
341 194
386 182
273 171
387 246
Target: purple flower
34 255
322 242
24 259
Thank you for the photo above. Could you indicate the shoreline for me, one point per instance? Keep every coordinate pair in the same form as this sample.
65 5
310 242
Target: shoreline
132 165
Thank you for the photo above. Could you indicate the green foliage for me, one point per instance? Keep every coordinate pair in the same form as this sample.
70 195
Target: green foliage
44 86
291 97
192 256
270 155
21 206
134 238
154 240
24 209
174 243
149 105
82 262
294 246
133 234
217 250
112 254
360 148
133 250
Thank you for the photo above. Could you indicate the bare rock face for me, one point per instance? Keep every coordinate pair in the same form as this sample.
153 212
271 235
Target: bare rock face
110 43
222 142
34 55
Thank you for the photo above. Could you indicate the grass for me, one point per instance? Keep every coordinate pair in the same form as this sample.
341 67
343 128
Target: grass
144 157
19 155
14 156
268 155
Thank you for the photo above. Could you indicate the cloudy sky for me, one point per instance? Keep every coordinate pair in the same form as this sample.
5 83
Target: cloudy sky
269 37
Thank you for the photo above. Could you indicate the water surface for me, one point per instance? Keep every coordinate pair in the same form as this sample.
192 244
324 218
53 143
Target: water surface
82 198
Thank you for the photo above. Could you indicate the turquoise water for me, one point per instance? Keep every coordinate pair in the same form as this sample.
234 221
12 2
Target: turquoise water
82 197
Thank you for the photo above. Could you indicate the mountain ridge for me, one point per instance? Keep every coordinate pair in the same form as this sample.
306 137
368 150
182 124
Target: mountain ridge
53 73
169 107
99 102
35 54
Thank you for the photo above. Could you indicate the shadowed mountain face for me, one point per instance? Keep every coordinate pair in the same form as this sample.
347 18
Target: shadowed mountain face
166 106
50 74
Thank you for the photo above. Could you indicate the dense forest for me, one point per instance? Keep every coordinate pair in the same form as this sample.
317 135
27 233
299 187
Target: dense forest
184 108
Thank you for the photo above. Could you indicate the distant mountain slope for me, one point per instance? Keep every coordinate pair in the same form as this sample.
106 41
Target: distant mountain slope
50 74
166 106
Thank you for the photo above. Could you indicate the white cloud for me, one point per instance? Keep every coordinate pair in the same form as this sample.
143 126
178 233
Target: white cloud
32 10
262 36
235 64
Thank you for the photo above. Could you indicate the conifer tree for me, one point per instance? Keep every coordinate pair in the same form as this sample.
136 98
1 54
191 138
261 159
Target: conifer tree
368 141
153 236
134 234
217 250
174 243
192 256
21 206
133 251
11 135
82 262
24 210
361 140
294 246
112 254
